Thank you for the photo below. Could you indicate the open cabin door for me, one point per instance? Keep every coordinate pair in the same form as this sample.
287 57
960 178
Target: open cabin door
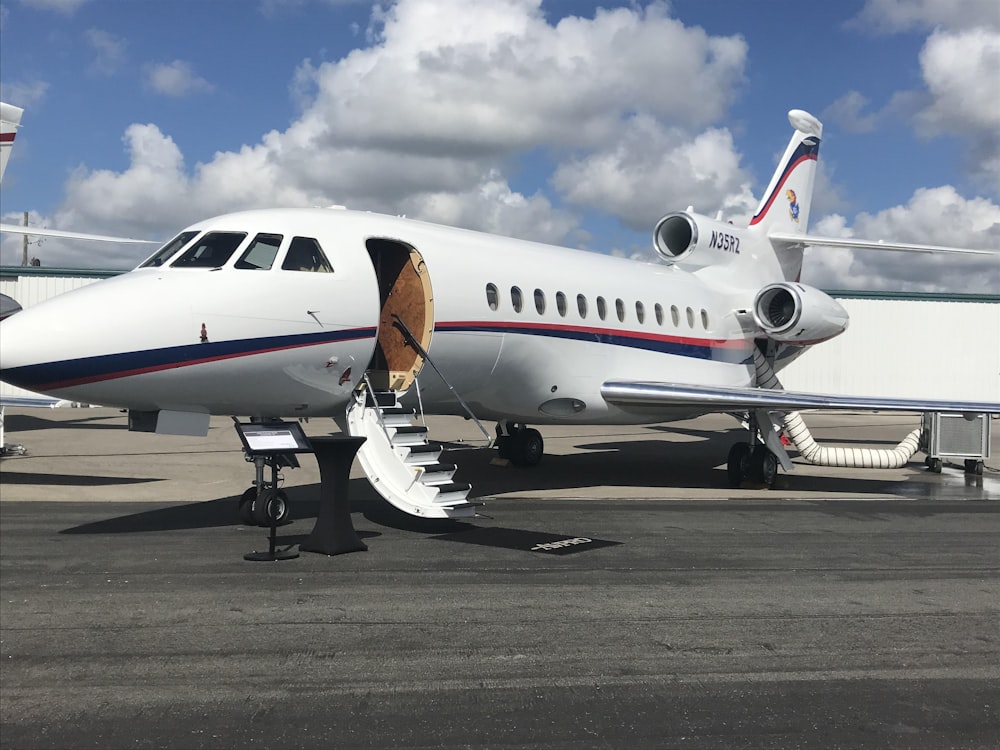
404 296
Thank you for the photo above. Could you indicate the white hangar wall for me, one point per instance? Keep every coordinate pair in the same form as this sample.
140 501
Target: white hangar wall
898 344
919 346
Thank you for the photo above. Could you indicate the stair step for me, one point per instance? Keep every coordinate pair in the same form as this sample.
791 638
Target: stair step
439 468
413 429
422 454
447 489
383 399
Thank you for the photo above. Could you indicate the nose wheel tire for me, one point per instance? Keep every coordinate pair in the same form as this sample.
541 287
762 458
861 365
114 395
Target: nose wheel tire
270 507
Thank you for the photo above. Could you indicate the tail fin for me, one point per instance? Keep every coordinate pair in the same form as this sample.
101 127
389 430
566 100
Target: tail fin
785 205
10 119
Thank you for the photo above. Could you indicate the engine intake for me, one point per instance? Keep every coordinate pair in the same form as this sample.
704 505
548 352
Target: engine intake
696 241
798 314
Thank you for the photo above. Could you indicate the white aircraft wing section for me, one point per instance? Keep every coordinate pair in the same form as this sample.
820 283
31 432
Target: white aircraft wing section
785 240
38 401
15 229
635 395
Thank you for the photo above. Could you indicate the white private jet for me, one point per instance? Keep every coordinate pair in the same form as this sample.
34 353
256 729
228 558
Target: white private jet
330 312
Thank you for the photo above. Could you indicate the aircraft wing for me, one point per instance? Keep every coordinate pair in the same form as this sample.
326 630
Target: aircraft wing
41 232
634 395
785 240
33 401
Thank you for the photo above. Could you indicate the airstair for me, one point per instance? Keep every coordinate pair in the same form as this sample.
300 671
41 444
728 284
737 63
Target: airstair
402 465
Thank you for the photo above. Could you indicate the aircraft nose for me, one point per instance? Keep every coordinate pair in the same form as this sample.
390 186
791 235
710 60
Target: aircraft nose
18 337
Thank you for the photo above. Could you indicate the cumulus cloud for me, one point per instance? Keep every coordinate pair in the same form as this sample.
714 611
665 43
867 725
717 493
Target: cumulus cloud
429 117
959 63
934 216
63 6
849 113
176 79
909 15
109 52
623 179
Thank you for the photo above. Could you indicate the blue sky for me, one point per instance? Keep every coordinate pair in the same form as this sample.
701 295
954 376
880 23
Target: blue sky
565 122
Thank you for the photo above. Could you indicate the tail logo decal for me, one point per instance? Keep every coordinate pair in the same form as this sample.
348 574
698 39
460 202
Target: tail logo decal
793 205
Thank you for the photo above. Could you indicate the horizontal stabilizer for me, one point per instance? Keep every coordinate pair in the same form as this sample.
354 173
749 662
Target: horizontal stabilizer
637 394
15 229
782 240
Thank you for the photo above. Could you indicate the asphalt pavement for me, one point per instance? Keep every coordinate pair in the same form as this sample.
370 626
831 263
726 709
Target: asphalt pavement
618 595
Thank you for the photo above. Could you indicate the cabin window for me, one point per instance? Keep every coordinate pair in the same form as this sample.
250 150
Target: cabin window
658 309
540 301
305 254
561 304
675 315
581 305
164 254
704 319
602 308
620 309
211 251
690 317
492 296
261 253
516 298
640 312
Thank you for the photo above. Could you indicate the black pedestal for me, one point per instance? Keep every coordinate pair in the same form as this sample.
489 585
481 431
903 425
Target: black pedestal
334 532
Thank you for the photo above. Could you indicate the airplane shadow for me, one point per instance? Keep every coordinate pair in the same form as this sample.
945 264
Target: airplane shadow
32 422
70 480
690 464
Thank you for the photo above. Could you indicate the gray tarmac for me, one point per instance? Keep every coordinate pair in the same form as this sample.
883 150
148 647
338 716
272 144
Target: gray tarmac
841 609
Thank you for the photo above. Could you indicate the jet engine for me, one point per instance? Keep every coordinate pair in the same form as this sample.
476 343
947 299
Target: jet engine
798 314
695 241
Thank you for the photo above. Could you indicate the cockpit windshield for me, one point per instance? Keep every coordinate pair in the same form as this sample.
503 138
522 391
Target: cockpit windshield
305 254
211 251
164 254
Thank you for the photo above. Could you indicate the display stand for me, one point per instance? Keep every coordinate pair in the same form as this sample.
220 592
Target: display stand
334 532
271 444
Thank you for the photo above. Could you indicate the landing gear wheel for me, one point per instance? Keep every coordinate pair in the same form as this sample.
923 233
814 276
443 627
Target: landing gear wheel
738 465
271 507
528 447
246 507
765 466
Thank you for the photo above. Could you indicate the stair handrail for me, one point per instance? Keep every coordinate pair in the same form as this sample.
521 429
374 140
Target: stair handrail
412 341
378 410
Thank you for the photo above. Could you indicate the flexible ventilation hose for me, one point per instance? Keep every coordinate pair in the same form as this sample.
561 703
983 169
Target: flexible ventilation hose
820 455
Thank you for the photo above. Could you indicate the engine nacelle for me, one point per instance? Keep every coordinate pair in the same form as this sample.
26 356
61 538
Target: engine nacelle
696 241
798 314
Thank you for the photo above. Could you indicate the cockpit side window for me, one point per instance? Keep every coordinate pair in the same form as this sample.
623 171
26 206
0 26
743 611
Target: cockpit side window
211 251
305 254
164 254
261 253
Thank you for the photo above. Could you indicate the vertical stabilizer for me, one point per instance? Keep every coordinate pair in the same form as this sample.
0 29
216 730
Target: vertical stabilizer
787 200
10 119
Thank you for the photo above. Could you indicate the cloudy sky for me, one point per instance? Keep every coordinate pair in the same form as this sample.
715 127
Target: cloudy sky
566 122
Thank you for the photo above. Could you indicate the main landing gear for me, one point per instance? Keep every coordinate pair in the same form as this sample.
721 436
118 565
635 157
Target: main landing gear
520 444
752 462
